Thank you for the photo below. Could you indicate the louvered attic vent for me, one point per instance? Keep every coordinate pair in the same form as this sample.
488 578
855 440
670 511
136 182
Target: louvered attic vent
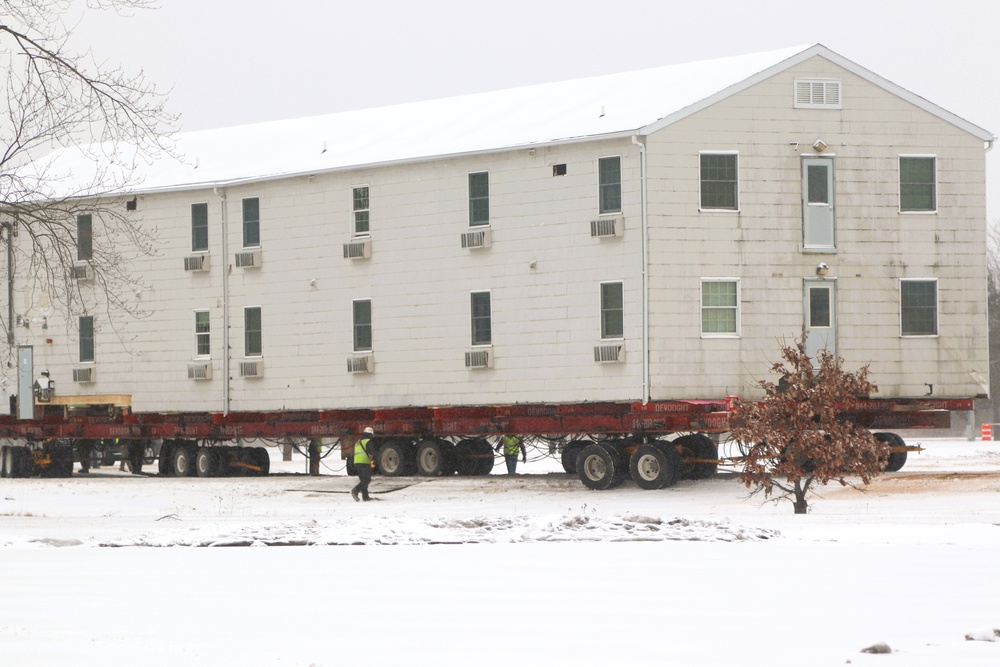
607 227
251 259
479 359
817 94
609 354
360 249
477 238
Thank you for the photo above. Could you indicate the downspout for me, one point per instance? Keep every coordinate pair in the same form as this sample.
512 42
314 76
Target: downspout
644 226
221 192
10 281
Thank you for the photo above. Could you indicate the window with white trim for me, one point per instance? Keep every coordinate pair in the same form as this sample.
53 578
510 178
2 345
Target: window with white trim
917 183
202 333
482 319
84 237
479 199
251 222
720 307
362 318
253 343
87 347
360 199
612 310
199 227
918 307
609 174
719 181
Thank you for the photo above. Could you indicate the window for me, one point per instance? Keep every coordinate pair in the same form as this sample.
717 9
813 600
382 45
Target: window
917 183
86 338
719 307
817 94
482 319
610 184
612 311
361 210
199 227
918 307
202 334
253 343
479 199
818 218
84 237
363 325
251 222
719 182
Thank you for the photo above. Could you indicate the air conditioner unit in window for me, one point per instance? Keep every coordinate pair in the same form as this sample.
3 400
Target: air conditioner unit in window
83 272
607 227
477 238
252 368
609 354
360 249
196 263
83 375
479 359
250 259
200 371
363 364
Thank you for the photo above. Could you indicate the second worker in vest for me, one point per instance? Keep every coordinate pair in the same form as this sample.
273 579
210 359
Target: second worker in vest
511 446
363 465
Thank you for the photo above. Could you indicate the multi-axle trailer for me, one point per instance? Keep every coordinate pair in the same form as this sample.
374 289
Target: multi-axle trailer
654 443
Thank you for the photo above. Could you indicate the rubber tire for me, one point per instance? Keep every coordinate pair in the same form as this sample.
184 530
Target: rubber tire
148 453
486 459
19 462
431 458
697 446
6 462
570 454
182 461
206 462
598 467
678 463
896 459
258 456
651 467
391 460
164 465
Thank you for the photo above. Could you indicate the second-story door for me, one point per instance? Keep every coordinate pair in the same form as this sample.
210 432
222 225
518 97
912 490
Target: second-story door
818 229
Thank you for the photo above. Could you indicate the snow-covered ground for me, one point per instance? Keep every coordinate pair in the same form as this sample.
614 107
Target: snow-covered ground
532 569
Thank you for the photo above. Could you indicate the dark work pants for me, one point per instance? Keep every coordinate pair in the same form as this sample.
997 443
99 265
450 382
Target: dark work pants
364 471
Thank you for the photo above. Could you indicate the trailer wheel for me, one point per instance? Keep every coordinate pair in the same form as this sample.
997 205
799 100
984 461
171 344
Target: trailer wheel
599 467
571 452
651 467
671 453
391 459
166 461
206 462
469 457
182 461
896 459
697 446
435 458
6 462
486 459
17 462
258 457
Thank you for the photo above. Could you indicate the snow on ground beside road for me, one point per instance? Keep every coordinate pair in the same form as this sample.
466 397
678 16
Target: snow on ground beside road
533 568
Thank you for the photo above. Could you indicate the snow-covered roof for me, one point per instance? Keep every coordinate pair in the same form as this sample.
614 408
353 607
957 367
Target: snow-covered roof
578 110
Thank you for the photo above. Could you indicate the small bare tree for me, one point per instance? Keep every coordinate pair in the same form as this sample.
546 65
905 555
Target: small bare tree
794 439
74 132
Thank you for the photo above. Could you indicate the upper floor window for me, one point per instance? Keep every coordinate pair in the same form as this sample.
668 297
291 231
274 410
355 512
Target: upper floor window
253 343
361 210
362 325
917 183
720 307
918 307
251 222
202 333
479 198
719 181
610 184
86 338
612 310
482 319
817 94
84 237
199 227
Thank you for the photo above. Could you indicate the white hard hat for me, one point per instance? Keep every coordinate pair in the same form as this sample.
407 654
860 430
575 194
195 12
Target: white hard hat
369 430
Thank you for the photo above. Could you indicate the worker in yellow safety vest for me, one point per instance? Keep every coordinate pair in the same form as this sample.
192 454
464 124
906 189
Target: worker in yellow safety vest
511 445
363 465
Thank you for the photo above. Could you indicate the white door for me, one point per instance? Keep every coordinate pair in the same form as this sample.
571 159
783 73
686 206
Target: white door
821 316
817 202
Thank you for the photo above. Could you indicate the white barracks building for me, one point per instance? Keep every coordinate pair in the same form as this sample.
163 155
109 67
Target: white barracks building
652 235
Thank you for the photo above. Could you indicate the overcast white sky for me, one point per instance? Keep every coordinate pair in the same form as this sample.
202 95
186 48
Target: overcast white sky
230 62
